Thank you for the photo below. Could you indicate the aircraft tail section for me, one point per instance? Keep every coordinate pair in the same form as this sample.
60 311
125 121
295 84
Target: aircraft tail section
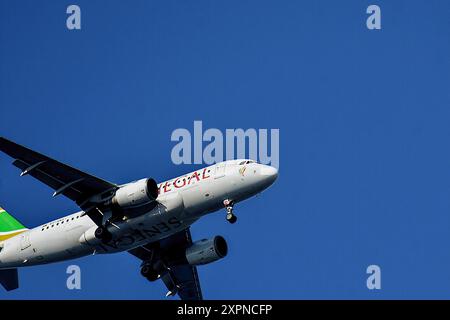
9 279
9 226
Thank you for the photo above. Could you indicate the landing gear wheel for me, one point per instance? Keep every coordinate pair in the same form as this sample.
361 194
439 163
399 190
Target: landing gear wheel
149 273
228 204
102 234
231 218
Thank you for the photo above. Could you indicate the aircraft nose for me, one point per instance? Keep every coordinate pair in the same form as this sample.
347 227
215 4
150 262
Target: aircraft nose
269 173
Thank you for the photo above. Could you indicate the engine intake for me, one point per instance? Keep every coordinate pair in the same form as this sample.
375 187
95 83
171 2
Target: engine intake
206 251
136 193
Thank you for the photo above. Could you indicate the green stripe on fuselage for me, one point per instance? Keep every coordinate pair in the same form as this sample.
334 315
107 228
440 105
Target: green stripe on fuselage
8 222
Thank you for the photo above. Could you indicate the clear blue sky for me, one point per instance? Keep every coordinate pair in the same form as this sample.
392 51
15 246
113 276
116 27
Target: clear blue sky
364 134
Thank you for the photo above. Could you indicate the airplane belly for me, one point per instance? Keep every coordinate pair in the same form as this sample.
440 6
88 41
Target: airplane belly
167 218
202 198
47 247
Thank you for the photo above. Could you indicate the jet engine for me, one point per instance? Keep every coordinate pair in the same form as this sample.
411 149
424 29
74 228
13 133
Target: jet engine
206 251
89 238
136 194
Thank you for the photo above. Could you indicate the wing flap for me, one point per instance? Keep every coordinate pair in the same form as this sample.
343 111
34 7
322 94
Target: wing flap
181 279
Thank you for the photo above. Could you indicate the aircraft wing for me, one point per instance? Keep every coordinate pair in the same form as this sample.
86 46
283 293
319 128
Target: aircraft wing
72 183
181 279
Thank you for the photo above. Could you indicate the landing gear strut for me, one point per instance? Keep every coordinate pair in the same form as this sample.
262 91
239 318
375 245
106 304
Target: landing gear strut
228 204
102 234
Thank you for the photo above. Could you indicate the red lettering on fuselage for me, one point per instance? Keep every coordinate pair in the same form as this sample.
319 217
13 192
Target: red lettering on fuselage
204 174
196 175
183 181
167 184
176 185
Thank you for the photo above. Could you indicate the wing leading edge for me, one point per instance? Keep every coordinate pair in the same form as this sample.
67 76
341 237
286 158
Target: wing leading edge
66 180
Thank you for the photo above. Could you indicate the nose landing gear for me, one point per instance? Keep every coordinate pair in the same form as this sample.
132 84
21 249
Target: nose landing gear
228 204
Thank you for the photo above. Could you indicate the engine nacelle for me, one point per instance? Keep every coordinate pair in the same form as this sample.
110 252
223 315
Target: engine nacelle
136 193
206 251
89 238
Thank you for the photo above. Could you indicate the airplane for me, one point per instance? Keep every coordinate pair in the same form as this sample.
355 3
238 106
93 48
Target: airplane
151 221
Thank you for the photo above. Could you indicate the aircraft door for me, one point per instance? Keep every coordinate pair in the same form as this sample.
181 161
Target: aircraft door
25 241
220 170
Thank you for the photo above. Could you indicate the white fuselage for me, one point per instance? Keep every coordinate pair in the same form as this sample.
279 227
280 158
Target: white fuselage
181 202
